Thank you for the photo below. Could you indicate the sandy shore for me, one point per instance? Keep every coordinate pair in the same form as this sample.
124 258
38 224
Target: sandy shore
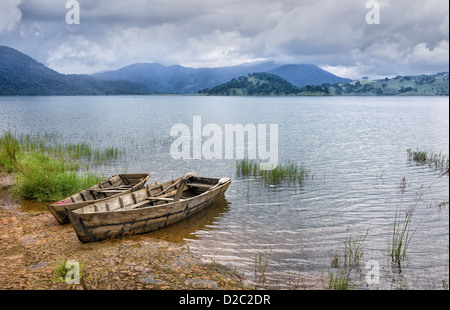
33 243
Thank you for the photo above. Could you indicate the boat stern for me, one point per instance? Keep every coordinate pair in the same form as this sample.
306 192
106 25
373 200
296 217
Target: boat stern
59 213
78 225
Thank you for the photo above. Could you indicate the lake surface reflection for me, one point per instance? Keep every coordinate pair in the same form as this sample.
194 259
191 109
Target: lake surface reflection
355 148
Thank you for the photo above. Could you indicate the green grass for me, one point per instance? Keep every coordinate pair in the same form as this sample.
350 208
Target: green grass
403 232
344 261
339 280
75 151
44 178
433 159
401 235
55 145
353 251
260 269
289 172
62 268
9 149
46 170
106 155
418 156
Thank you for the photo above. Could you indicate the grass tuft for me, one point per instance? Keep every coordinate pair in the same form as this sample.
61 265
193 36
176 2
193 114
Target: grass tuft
49 171
403 232
289 172
9 149
436 160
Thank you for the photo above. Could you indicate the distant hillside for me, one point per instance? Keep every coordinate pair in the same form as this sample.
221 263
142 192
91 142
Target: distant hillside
256 84
267 84
419 85
183 80
302 75
22 75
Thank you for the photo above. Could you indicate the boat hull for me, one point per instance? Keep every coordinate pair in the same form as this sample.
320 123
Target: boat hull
59 211
98 226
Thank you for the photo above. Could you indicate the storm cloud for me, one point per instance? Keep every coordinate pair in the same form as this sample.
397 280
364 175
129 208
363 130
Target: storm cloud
411 38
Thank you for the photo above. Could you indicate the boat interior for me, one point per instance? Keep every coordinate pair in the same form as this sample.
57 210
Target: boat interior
114 185
156 194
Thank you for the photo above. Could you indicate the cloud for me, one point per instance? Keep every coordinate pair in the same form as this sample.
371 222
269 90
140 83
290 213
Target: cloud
435 55
412 36
80 57
9 15
444 27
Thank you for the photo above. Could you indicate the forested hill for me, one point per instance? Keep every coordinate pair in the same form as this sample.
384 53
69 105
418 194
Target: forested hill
22 75
417 85
256 84
265 84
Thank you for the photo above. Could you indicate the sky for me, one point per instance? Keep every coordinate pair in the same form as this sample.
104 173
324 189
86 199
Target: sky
350 38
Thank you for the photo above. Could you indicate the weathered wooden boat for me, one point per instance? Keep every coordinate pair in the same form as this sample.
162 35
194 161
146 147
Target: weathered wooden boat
110 188
146 210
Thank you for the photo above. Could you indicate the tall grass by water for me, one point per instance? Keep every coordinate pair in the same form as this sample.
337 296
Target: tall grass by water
402 229
344 261
437 160
46 170
55 145
402 233
290 172
9 150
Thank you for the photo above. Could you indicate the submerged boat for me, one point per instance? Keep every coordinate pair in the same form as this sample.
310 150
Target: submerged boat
111 187
148 209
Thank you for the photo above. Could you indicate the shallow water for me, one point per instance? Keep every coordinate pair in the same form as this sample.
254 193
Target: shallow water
355 148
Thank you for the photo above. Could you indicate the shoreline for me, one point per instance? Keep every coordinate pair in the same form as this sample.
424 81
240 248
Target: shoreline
33 244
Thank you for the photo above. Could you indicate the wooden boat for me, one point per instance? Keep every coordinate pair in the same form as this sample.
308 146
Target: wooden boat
148 209
111 187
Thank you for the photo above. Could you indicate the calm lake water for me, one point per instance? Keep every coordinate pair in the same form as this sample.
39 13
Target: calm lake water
355 147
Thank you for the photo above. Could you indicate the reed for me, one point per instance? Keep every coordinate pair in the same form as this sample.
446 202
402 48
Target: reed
46 170
438 160
260 269
289 172
353 251
44 178
55 145
9 150
418 156
107 155
339 280
403 232
401 235
76 151
345 260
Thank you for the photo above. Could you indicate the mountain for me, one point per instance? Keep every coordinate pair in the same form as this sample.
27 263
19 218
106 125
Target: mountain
256 84
268 84
184 80
22 75
302 75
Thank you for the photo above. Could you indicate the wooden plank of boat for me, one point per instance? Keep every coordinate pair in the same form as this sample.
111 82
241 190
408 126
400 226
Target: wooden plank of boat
144 211
109 191
100 190
109 188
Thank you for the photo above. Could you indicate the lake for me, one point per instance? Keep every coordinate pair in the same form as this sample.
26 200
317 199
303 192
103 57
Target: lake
355 150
